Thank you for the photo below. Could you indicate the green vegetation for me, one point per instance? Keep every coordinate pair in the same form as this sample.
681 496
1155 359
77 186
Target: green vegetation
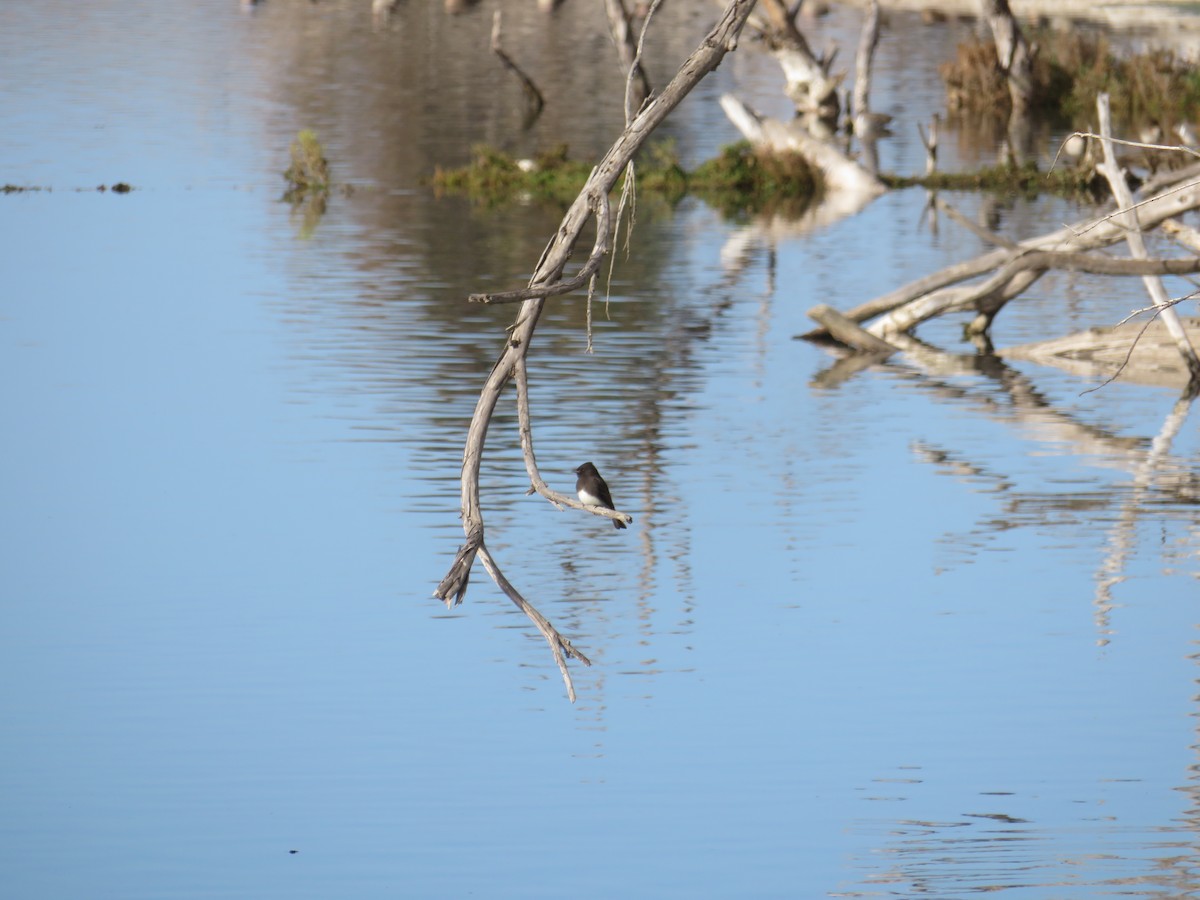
1155 86
309 172
740 179
1154 89
494 177
738 182
308 182
743 179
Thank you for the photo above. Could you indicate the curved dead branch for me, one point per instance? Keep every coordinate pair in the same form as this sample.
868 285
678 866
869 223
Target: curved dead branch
547 280
537 483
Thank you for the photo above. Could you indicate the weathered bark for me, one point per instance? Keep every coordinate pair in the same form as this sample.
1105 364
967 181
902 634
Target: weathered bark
547 275
809 85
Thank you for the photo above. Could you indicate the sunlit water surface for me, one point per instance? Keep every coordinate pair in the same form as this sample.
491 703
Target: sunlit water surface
898 633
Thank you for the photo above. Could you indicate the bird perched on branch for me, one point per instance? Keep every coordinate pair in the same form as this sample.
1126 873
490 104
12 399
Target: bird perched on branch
593 490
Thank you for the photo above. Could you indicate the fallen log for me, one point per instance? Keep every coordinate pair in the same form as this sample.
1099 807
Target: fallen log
849 332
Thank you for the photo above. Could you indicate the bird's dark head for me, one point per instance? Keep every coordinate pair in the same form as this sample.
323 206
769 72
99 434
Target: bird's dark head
586 469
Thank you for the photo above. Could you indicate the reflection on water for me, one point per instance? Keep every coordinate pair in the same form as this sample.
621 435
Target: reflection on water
916 628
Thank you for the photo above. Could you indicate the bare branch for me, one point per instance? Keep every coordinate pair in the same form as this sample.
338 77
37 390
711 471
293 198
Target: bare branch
559 645
546 281
1133 346
536 482
1012 51
532 95
1137 245
930 143
1174 148
1103 265
636 72
848 332
1013 279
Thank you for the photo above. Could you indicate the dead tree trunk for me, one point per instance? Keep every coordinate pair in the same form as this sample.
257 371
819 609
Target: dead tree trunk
547 281
868 126
809 85
1013 52
1015 58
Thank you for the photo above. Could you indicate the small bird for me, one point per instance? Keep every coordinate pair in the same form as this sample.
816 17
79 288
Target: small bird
593 490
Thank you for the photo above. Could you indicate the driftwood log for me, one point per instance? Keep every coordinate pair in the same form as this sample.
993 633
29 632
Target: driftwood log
548 279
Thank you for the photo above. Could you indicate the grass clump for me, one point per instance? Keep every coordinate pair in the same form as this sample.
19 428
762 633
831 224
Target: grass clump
1071 68
309 171
739 179
1155 86
743 179
494 177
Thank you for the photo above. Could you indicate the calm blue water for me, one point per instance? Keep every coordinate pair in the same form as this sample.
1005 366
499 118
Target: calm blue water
921 631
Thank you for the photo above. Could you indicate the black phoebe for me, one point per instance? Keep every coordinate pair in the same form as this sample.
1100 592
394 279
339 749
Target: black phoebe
593 491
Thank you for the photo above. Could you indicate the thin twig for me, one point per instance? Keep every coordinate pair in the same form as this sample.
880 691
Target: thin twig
636 65
559 645
1156 310
1139 144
